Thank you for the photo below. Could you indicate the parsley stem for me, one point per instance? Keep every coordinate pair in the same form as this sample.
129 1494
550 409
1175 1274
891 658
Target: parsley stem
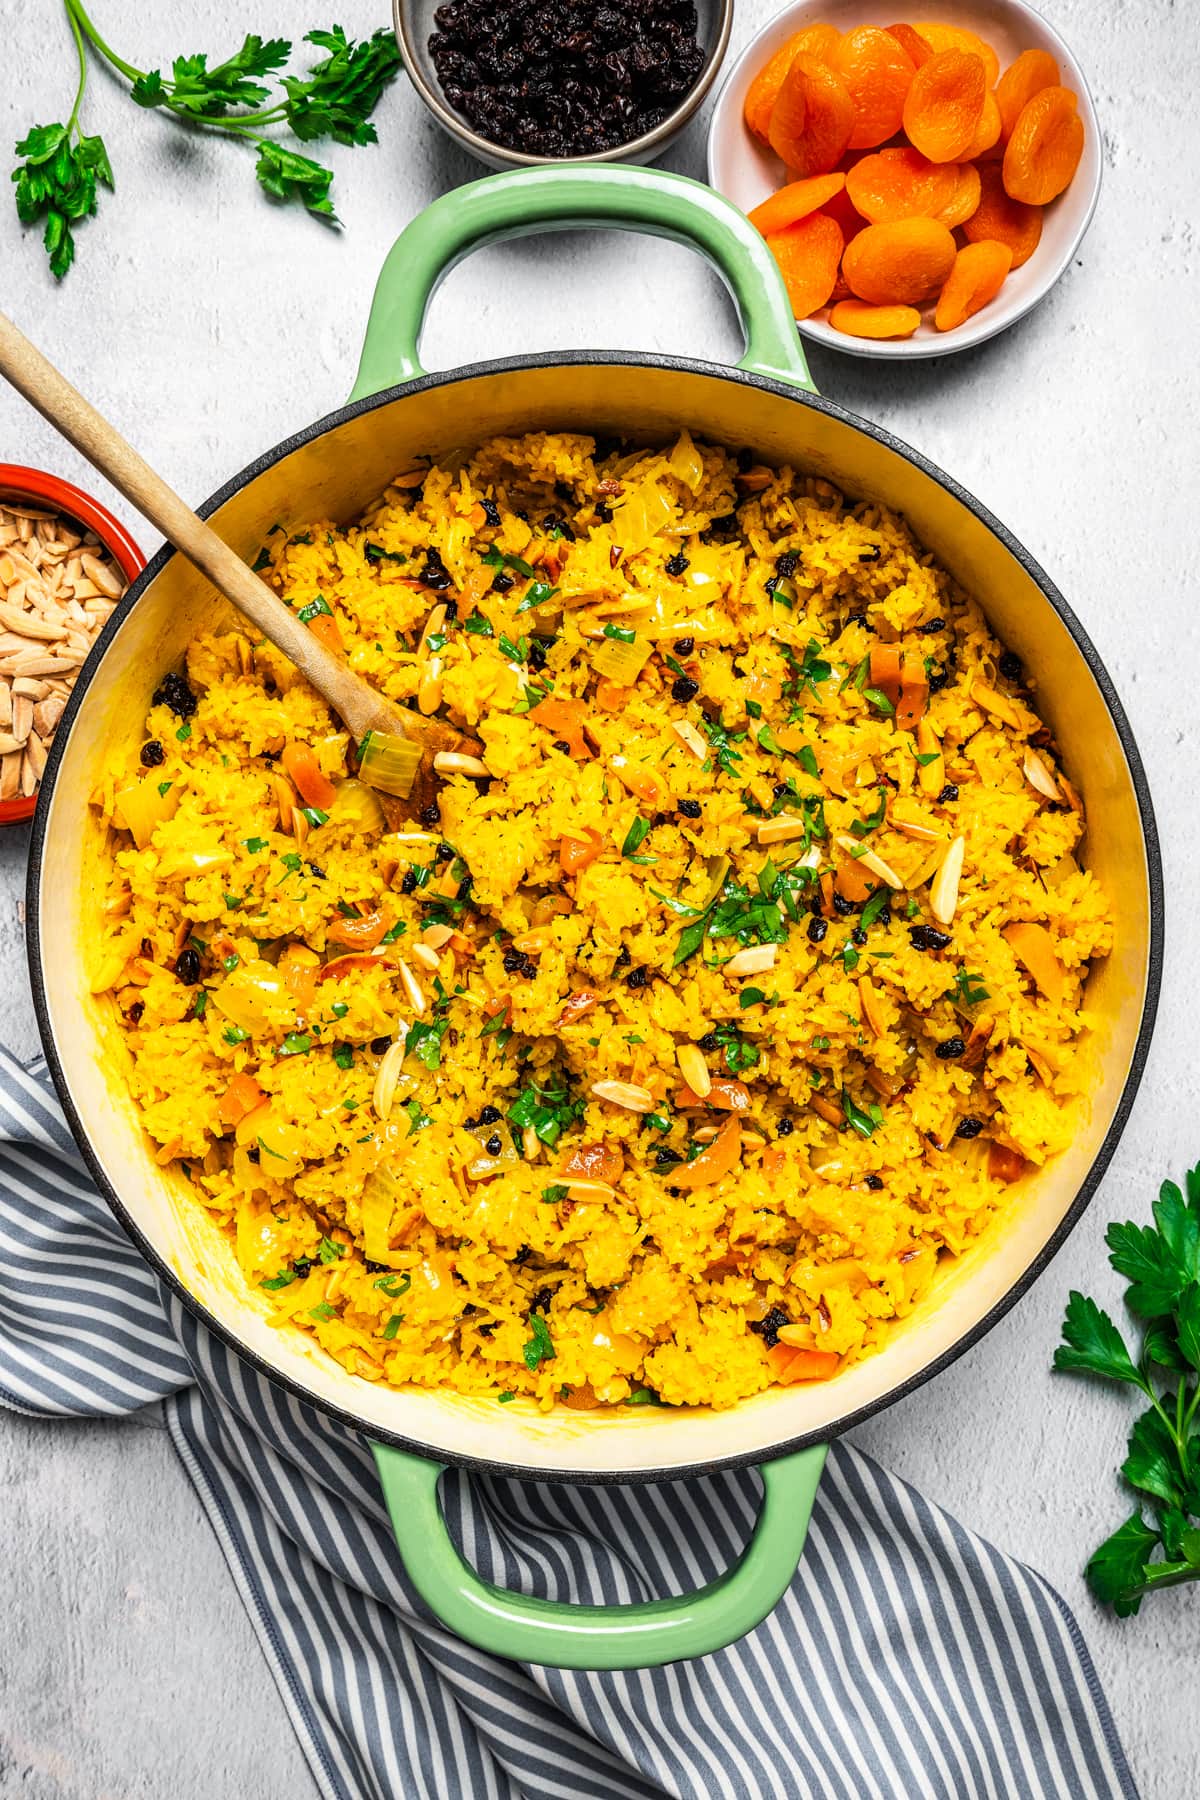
77 34
80 21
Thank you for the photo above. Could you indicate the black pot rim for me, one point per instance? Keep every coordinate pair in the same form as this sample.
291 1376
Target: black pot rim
801 397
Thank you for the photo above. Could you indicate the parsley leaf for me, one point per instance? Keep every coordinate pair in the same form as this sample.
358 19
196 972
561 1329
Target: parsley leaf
57 180
1160 1264
540 1347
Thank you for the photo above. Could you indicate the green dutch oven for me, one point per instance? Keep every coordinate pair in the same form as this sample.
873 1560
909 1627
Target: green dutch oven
335 468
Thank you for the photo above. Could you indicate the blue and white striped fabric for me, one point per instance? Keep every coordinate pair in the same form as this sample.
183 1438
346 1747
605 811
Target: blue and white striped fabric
909 1658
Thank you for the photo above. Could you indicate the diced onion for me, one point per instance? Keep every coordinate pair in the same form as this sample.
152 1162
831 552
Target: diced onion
140 807
619 661
357 806
641 518
686 461
487 1163
389 762
379 1195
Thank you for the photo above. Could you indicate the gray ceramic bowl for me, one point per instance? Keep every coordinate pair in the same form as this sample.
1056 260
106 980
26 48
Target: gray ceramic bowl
414 24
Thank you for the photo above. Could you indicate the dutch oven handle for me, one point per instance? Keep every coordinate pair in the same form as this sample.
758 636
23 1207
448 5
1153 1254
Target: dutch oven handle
518 1626
566 199
640 1635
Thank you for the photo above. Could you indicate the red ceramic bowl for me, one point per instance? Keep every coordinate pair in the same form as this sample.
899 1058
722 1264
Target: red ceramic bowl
52 493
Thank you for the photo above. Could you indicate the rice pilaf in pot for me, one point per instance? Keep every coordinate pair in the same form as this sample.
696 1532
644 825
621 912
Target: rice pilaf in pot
665 1056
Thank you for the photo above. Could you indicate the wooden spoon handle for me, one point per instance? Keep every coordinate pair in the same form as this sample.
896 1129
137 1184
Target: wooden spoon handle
360 706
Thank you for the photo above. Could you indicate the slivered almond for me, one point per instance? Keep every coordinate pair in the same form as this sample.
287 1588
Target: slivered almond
388 1074
625 1094
585 1189
780 830
427 958
437 935
754 961
22 717
690 738
943 892
869 1001
1038 775
694 1070
867 859
101 573
453 762
413 989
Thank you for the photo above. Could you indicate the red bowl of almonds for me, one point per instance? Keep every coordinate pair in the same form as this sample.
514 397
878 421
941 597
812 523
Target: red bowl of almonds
64 564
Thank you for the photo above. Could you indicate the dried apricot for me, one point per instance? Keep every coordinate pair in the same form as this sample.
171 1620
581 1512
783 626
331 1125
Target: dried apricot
911 40
1044 149
876 73
900 183
857 319
899 264
988 132
944 106
815 40
812 118
808 255
1032 71
977 277
795 202
842 209
966 198
1007 220
957 37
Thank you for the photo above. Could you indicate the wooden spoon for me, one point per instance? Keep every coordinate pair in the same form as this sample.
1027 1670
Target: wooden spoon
360 707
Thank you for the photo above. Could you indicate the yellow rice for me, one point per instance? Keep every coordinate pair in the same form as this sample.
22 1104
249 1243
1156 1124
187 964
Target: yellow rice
424 1246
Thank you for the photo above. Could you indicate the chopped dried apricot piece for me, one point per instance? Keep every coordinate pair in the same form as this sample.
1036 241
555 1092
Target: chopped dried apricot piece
957 37
1044 149
1032 71
988 132
795 202
815 40
944 106
899 264
876 73
808 255
910 39
857 319
977 277
812 118
1004 219
900 183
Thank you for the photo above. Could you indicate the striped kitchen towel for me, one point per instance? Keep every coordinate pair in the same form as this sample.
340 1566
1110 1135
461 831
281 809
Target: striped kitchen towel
908 1659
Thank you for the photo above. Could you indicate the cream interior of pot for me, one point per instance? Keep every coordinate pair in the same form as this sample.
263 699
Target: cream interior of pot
336 475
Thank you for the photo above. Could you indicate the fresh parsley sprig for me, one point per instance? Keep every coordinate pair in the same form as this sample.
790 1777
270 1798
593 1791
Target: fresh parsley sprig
56 182
1161 1264
335 99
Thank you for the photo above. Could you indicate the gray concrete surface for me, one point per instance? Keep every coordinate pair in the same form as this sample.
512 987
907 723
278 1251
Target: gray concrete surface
209 324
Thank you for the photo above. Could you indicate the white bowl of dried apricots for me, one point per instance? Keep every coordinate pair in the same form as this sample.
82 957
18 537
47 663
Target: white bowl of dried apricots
922 184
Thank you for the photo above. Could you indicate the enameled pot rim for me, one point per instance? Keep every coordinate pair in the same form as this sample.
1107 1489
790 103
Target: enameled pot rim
567 359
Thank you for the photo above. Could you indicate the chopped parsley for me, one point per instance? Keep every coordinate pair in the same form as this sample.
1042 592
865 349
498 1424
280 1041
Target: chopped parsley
394 1286
540 1347
425 1041
548 1108
858 1120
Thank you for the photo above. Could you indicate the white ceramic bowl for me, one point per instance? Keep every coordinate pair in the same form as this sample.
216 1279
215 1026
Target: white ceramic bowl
745 172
